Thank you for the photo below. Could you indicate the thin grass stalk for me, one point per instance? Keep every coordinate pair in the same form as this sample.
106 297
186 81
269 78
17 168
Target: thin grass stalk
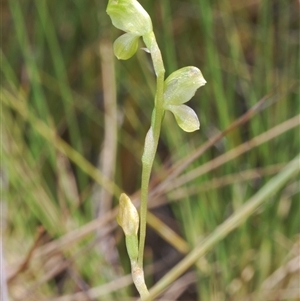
236 219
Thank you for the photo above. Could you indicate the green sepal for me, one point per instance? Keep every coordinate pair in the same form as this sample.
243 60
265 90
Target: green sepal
182 85
129 16
132 246
186 117
126 46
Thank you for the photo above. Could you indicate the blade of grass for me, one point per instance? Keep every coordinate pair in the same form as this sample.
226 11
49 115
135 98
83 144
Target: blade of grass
61 74
38 97
234 221
50 135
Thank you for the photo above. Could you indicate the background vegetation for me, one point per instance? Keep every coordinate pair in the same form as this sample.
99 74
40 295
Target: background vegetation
70 145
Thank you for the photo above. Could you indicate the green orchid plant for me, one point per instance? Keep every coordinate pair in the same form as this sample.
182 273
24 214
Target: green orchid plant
171 94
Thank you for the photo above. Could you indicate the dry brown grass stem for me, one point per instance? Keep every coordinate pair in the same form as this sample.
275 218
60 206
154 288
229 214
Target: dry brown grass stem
102 198
217 183
24 265
236 152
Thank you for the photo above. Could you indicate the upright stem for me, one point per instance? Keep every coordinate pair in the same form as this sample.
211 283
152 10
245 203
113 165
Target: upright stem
152 137
139 280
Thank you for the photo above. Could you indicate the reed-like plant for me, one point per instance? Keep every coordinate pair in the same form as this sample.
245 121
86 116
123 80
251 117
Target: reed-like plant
171 94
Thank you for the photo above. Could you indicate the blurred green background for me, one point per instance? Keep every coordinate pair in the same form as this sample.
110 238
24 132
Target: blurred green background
73 122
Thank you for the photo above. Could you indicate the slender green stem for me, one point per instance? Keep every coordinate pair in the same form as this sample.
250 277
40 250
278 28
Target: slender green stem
152 137
139 280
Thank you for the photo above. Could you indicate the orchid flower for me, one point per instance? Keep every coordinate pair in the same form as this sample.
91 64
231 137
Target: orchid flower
180 87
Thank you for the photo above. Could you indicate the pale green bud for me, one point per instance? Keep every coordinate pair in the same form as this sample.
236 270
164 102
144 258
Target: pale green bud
129 16
126 46
128 217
